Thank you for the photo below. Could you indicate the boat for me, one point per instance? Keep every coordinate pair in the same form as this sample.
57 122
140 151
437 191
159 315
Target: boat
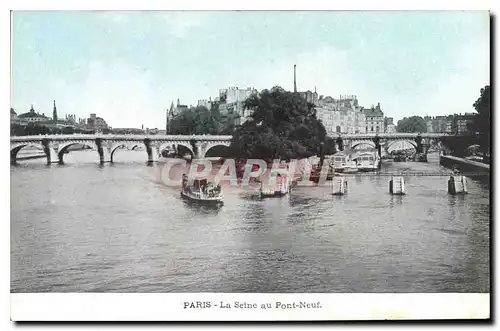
280 188
201 191
339 186
368 161
340 160
400 158
351 167
421 157
345 163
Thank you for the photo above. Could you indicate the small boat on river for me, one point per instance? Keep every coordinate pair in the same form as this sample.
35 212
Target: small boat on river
368 161
345 163
280 188
201 191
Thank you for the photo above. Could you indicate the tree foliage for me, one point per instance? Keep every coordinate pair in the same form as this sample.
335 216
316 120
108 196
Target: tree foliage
412 124
198 120
482 120
283 125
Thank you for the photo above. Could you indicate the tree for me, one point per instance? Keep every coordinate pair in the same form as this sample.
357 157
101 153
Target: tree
68 130
482 120
412 124
283 125
198 120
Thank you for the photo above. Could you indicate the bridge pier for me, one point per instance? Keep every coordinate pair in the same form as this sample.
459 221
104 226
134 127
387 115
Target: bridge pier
378 147
340 144
50 152
199 150
13 155
153 154
153 151
103 150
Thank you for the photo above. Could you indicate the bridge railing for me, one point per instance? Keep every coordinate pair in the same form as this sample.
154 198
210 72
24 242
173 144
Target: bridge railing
120 137
134 137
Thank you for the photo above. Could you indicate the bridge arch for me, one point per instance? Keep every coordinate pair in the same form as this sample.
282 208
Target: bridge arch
17 147
392 142
129 145
209 146
168 145
62 148
358 143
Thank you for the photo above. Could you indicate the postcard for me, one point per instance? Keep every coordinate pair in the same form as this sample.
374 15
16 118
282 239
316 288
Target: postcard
250 165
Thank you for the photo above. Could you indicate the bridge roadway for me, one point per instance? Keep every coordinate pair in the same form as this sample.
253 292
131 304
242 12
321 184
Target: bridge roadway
55 146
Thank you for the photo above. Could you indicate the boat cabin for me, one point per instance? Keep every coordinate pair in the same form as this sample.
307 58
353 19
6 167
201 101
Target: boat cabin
367 160
201 187
340 159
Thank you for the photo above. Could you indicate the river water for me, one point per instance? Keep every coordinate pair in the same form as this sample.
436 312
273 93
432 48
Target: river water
81 227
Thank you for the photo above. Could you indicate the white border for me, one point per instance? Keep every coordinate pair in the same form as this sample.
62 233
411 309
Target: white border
172 307
252 5
84 306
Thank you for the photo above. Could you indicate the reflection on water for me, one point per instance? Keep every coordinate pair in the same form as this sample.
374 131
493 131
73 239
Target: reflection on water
80 227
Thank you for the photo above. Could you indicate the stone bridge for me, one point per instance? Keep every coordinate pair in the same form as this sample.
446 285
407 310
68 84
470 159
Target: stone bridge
420 141
55 146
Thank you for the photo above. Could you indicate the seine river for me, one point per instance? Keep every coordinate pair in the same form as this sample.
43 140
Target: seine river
81 227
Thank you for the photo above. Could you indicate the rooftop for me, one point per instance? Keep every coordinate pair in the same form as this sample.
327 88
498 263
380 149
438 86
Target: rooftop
31 115
373 112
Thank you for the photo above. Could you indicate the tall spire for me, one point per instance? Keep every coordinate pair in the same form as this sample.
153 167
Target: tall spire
166 119
178 102
295 78
54 114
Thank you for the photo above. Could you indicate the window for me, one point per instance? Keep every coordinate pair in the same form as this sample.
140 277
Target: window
372 128
338 128
378 129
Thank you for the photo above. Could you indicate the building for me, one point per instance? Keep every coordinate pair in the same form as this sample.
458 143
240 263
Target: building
343 115
96 123
390 127
231 103
71 119
439 123
374 119
173 112
13 116
311 97
176 110
341 121
32 117
429 123
462 123
205 103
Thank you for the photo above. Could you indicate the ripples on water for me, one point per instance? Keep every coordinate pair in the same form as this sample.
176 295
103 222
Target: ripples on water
82 227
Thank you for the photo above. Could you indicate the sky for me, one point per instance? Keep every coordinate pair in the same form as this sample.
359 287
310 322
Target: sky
128 66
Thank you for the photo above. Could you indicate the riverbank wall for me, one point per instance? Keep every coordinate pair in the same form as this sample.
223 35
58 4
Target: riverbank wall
463 165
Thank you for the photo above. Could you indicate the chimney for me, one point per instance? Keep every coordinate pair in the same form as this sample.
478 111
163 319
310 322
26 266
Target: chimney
295 78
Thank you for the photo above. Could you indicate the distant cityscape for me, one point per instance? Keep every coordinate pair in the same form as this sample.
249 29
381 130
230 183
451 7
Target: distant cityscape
342 115
93 122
